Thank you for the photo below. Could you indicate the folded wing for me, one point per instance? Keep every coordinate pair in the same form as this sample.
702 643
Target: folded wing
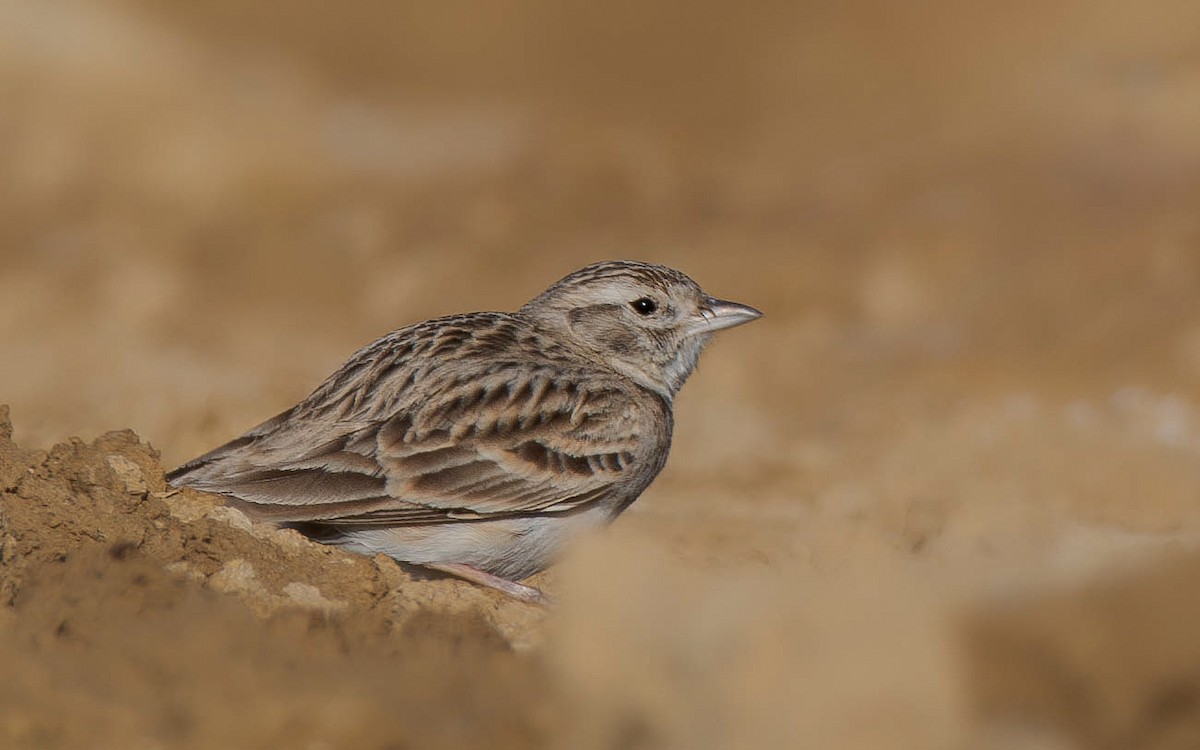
499 438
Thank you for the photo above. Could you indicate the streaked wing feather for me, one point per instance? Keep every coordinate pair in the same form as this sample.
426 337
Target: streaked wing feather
503 437
320 486
417 514
508 457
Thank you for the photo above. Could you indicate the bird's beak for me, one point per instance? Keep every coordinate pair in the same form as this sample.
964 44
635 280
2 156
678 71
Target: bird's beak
716 314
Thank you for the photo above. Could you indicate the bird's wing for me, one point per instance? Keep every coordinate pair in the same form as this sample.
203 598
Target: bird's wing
483 437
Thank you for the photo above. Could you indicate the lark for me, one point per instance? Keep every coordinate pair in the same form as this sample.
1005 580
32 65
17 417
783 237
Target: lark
478 445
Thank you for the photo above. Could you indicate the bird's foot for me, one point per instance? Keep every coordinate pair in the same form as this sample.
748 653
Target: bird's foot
511 588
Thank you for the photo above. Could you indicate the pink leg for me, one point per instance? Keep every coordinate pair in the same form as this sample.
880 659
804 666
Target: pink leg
511 588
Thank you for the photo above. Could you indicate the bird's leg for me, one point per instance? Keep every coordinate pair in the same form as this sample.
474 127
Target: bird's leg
475 575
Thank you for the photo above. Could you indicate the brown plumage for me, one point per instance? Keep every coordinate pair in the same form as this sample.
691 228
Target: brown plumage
478 444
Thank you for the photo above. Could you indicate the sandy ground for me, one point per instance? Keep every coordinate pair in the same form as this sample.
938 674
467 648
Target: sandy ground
945 494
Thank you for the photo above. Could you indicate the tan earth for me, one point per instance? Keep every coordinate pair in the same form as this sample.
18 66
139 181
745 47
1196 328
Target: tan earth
946 494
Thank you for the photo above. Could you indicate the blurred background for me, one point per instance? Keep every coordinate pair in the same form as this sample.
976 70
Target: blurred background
973 228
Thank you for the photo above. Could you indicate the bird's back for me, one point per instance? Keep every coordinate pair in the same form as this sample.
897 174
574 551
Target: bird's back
469 416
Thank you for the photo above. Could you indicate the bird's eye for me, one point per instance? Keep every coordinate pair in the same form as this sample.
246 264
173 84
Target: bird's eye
644 306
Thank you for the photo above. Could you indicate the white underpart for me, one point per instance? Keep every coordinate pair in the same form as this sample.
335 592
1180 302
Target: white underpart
512 548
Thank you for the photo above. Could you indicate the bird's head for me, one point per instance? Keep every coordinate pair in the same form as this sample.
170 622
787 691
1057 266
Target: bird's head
647 321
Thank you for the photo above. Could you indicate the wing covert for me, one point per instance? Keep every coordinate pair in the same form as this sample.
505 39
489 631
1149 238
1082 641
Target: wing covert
502 439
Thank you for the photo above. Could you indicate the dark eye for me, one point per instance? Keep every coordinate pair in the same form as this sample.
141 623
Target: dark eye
644 306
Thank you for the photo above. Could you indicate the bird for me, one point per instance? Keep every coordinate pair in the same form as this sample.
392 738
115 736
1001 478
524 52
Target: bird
477 445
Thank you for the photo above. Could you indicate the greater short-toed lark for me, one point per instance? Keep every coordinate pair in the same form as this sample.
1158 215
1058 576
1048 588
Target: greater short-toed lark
478 444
